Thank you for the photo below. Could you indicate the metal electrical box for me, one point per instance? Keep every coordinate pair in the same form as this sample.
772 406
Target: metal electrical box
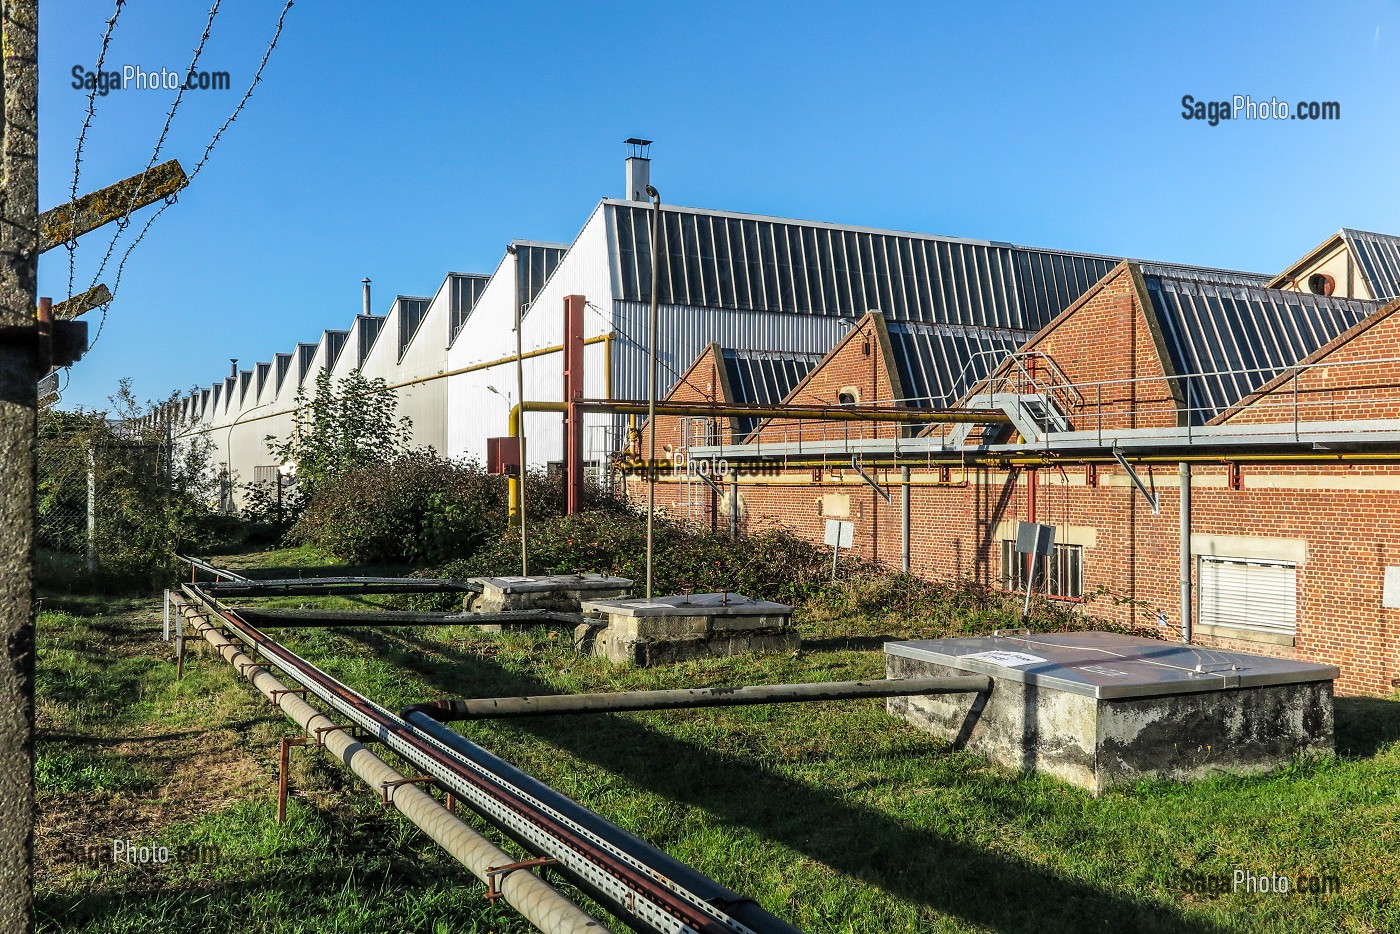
503 456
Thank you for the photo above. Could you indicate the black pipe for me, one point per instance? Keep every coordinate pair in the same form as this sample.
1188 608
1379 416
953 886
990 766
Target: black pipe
489 708
331 586
299 619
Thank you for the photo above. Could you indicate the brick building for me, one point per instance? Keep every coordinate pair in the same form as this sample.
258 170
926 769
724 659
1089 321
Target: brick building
1276 409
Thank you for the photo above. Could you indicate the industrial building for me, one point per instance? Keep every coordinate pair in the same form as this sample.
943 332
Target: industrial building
1213 447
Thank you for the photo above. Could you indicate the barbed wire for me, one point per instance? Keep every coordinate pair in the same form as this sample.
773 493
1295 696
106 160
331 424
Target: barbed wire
125 219
72 244
199 166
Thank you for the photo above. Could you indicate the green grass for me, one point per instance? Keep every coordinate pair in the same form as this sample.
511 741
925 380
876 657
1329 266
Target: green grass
835 816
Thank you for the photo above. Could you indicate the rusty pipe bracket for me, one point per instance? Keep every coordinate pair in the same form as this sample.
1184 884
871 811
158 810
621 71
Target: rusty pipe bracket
495 874
386 787
283 766
300 692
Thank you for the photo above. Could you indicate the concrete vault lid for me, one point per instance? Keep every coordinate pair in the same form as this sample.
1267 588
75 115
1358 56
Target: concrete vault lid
1108 665
695 604
542 583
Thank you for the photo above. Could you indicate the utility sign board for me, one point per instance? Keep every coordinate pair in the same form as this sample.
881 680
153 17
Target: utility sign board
1035 539
840 534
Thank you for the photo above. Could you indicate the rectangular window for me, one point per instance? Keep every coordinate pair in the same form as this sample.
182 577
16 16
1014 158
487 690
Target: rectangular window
1249 594
1060 575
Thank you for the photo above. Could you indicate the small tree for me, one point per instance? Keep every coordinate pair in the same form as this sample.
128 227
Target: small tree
340 428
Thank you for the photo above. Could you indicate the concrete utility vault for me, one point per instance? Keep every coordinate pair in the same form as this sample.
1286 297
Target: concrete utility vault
670 629
1099 709
562 592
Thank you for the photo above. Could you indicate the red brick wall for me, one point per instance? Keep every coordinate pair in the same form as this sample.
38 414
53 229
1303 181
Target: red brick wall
860 362
1339 386
1132 570
1103 343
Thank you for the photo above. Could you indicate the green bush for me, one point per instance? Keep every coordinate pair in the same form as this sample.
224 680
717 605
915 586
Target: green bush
418 507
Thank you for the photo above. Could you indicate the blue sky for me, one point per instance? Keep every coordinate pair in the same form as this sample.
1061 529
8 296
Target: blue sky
401 141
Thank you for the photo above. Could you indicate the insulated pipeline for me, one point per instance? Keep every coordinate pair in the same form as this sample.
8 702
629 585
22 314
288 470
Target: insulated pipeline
649 899
539 902
488 708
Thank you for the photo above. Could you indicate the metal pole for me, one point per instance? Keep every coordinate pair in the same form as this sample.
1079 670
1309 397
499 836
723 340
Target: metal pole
1030 583
19 406
520 394
1184 470
92 508
651 377
904 478
686 698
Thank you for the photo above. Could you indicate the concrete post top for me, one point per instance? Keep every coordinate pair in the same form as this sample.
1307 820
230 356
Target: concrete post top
1108 665
695 604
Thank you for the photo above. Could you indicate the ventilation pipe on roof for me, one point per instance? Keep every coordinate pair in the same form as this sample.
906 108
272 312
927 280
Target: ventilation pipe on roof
232 366
365 281
638 168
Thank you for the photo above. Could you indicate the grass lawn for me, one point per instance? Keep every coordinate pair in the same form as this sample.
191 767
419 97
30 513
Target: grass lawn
834 815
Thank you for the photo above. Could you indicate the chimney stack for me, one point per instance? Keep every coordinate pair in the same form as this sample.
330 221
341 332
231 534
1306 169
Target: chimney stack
365 280
638 168
233 366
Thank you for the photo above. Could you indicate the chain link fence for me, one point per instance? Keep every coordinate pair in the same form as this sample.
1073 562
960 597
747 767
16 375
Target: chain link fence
116 498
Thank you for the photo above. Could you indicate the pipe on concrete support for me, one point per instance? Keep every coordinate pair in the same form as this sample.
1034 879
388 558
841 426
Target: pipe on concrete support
1185 557
904 478
491 708
539 902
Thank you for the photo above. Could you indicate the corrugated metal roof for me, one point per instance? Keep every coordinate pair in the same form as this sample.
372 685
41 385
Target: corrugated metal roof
939 363
1228 340
368 328
534 264
284 364
412 311
1205 274
761 377
722 260
1379 257
466 290
335 345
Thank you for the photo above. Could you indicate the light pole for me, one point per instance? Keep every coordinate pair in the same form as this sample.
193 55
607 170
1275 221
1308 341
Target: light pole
228 452
651 366
286 476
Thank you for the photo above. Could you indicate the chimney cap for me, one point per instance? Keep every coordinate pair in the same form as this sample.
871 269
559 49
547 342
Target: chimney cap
639 147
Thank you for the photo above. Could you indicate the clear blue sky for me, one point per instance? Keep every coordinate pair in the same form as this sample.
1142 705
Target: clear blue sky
401 141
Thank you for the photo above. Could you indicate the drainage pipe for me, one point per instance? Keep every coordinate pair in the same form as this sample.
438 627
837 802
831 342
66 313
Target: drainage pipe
550 705
904 478
1185 557
539 902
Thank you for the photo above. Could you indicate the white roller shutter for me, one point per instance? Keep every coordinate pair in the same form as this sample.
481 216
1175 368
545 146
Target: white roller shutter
1246 593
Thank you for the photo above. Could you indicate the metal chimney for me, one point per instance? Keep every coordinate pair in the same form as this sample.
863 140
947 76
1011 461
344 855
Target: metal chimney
233 366
365 280
638 168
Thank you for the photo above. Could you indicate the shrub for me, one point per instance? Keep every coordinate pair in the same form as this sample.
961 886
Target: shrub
418 508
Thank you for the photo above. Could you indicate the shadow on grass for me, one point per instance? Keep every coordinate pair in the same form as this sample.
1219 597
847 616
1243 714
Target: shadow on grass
988 889
205 906
1365 725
